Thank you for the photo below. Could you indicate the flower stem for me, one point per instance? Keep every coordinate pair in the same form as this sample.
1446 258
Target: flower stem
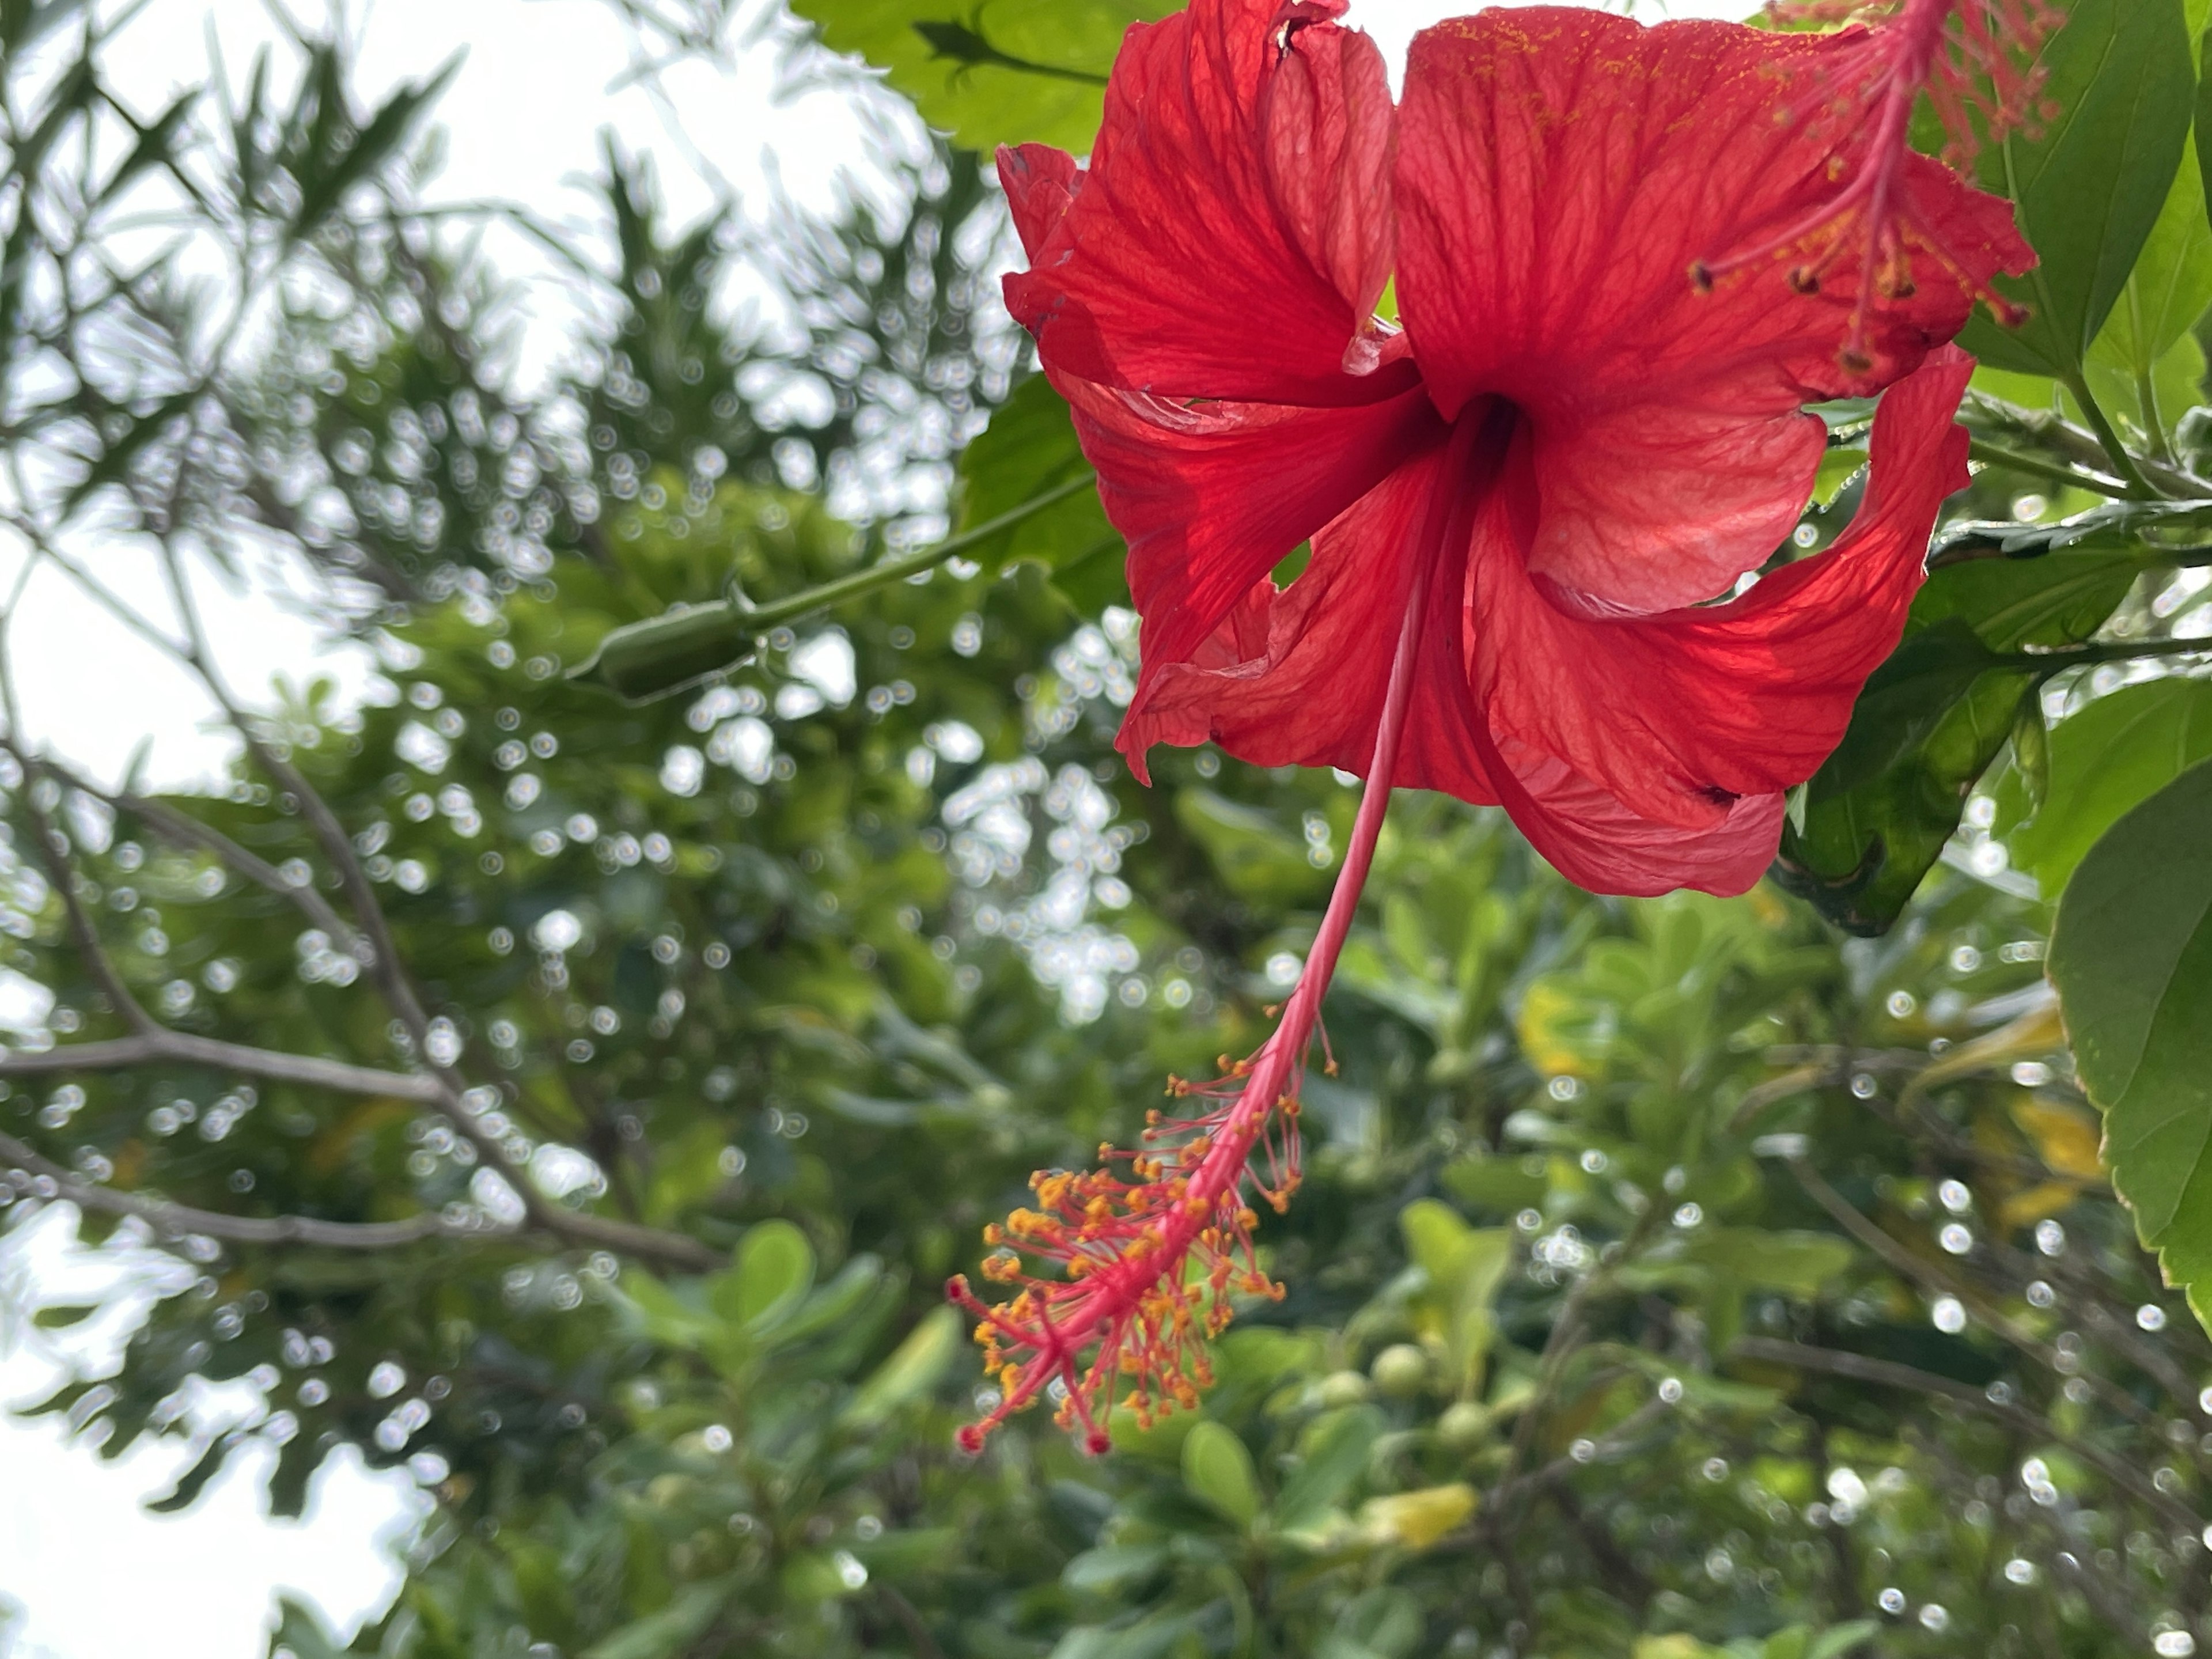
1127 1299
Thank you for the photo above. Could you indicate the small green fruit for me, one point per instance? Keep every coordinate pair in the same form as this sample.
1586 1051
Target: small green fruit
1401 1371
1464 1426
1344 1388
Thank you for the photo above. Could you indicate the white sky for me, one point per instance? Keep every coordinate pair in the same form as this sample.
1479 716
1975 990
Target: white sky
94 1576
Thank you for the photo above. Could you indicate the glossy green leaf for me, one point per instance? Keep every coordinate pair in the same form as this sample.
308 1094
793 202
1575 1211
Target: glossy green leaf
1004 72
1218 1469
2104 761
2131 955
2165 294
2089 183
1876 816
775 1265
1029 449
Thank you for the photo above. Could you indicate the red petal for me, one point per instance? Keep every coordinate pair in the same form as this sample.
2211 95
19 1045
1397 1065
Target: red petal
1681 716
1211 497
1297 676
1233 232
1559 171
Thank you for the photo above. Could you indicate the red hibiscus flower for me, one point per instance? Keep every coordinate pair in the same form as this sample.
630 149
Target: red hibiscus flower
1520 505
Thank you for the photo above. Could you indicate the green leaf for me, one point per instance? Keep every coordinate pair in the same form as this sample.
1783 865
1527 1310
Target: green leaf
911 1371
61 1318
774 1266
1001 72
1465 1267
1256 856
2090 183
1337 1447
1029 449
2165 294
1797 1264
2104 761
672 1630
2131 955
1837 468
1217 1469
1877 815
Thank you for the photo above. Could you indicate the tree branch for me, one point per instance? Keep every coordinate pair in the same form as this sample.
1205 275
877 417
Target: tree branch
1930 1277
1889 1373
152 1046
176 1221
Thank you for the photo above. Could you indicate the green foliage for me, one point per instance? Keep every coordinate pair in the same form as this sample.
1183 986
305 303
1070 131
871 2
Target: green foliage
1666 1280
1006 72
2091 181
1029 449
2131 957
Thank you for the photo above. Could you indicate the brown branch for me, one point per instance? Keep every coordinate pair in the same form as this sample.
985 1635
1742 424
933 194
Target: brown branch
1927 1275
152 1046
62 879
183 830
176 1221
1889 1373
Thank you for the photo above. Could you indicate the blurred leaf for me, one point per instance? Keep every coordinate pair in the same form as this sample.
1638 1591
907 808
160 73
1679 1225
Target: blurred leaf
1418 1519
2090 182
1334 1456
774 1266
912 1371
1029 449
672 1630
1218 1469
1256 856
2131 955
1839 466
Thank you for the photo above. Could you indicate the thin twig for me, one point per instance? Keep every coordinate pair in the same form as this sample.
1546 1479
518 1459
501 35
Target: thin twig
177 1220
1889 1373
160 1044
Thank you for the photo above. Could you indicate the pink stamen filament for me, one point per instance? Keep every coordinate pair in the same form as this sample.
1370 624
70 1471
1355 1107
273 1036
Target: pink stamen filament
1919 50
1124 1246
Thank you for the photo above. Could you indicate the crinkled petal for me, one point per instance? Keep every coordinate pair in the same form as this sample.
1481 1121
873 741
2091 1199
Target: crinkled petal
1680 717
1213 496
1233 231
1559 173
1295 675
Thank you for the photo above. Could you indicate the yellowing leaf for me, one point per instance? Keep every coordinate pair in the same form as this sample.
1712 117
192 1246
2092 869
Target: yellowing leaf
1417 1519
2036 1203
2065 1138
1547 1027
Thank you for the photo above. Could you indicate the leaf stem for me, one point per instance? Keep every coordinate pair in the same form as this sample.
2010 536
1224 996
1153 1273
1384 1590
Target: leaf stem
683 645
888 571
2109 651
2056 471
2124 464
